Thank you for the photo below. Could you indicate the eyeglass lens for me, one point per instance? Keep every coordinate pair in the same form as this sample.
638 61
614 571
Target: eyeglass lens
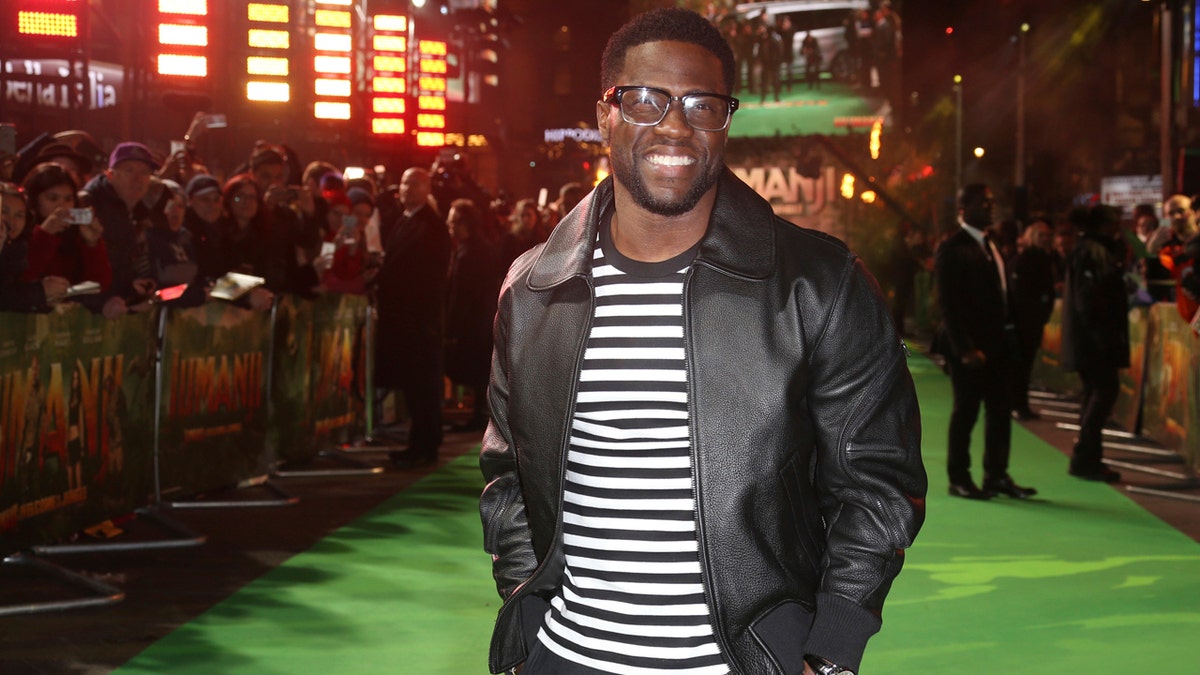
647 107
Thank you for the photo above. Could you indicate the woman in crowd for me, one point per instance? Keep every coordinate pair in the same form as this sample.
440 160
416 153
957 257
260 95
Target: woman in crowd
17 295
59 245
1032 281
348 268
245 244
472 287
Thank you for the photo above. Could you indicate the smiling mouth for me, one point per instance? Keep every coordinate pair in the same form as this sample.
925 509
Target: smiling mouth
670 160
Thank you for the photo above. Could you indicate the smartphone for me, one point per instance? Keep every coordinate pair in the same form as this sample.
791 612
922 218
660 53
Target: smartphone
80 216
348 222
177 147
215 121
170 293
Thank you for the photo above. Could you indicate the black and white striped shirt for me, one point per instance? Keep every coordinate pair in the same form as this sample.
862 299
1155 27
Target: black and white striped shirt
632 599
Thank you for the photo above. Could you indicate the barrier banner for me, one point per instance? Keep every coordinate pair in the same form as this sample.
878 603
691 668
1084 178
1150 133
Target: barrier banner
1169 413
76 421
317 387
1048 373
214 403
1129 400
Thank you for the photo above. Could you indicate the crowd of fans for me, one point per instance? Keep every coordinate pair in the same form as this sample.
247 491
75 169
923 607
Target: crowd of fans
110 234
118 232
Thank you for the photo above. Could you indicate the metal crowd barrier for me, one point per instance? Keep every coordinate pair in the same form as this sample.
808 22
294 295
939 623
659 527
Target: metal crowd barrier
176 408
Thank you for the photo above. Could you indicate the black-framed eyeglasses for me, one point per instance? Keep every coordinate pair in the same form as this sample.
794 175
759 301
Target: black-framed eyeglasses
648 106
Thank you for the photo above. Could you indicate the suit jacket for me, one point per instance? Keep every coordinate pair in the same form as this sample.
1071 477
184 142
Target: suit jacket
974 305
411 297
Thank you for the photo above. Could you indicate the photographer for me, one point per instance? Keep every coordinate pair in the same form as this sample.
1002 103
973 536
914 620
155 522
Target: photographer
66 241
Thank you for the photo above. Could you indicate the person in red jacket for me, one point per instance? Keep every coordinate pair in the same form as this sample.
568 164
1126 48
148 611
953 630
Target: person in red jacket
62 243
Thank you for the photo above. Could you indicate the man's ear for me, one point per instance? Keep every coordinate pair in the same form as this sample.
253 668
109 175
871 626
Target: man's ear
603 110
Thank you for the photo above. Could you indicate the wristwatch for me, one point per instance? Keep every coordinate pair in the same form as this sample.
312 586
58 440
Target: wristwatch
823 666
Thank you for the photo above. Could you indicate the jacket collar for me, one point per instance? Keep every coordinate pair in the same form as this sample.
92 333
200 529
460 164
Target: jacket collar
740 240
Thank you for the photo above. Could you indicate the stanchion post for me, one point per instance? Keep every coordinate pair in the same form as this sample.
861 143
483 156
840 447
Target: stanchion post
159 349
369 349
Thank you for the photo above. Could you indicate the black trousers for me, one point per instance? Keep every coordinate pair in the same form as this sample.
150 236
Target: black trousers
423 397
987 385
1101 386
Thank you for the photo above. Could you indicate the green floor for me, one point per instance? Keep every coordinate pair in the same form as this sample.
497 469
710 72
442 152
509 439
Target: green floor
1080 580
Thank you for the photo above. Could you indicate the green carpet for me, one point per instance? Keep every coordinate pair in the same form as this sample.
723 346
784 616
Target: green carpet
802 111
1078 580
406 588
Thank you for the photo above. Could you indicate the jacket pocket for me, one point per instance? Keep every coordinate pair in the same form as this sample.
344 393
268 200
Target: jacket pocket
807 523
783 633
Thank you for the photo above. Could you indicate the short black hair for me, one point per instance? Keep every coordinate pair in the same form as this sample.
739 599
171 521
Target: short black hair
665 24
971 193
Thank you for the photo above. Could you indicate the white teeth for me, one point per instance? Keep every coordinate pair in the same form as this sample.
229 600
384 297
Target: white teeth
671 160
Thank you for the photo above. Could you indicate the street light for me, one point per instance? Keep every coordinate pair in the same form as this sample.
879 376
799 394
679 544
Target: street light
1019 170
958 114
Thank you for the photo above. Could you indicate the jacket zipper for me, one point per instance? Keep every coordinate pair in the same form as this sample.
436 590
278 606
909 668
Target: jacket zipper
693 438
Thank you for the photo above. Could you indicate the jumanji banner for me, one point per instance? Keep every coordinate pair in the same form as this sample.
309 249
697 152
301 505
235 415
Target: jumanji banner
318 387
214 399
76 421
1171 412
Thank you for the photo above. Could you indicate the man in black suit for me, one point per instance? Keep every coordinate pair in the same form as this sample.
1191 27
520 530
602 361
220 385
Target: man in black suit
973 295
411 299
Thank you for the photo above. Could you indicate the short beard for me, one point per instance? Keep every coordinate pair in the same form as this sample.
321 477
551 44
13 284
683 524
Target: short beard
632 180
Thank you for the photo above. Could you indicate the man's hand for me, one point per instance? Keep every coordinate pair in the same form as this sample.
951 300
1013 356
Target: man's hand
55 289
974 359
91 232
260 299
275 194
114 309
306 202
144 287
56 222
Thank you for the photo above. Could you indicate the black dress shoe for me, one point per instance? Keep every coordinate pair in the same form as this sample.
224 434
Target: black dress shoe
1005 486
407 459
1025 415
967 490
1101 474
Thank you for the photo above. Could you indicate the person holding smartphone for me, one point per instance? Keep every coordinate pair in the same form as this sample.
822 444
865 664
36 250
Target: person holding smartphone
66 241
344 257
16 294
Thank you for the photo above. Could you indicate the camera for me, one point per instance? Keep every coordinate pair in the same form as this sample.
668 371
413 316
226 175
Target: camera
80 217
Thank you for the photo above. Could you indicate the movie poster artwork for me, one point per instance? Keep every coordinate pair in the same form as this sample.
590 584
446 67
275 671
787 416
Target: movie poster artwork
1169 413
214 403
1129 402
319 376
76 427
1048 373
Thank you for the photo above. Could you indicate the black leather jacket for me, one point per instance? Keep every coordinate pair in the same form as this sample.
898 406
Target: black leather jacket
805 434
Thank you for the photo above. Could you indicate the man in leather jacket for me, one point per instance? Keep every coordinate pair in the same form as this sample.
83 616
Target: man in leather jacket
797 441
